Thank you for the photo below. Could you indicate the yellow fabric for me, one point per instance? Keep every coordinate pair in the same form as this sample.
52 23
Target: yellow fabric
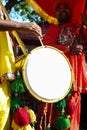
7 64
41 12
6 54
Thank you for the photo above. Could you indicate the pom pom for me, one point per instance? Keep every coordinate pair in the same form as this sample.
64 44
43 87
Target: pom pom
21 117
21 120
16 127
62 122
31 115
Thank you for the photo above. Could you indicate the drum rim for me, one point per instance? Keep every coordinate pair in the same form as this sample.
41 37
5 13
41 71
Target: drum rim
35 95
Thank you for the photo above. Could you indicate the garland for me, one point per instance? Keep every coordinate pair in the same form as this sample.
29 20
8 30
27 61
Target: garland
41 12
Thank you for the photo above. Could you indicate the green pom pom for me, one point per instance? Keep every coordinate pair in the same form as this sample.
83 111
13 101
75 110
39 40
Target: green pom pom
18 86
16 103
62 122
59 105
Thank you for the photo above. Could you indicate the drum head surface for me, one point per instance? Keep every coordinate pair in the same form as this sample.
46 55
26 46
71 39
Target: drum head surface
47 74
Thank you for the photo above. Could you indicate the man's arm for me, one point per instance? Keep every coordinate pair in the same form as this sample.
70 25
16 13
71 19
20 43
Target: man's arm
25 27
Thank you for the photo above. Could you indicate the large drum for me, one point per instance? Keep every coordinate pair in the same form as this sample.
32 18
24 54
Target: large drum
47 74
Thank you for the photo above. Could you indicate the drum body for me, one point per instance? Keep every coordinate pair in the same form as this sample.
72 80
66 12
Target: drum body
47 74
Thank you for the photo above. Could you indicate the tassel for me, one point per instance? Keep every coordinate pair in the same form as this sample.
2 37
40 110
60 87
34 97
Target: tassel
59 105
18 86
48 127
15 103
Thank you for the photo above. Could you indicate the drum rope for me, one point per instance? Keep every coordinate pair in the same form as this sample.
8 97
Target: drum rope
50 116
41 42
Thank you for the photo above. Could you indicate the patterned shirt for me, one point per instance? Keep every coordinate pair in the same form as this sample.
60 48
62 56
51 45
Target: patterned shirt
68 35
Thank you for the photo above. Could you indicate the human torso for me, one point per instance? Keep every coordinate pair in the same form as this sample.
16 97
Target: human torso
68 34
62 34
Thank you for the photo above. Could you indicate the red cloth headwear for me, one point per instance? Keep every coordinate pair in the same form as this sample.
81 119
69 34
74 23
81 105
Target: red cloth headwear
59 2
76 6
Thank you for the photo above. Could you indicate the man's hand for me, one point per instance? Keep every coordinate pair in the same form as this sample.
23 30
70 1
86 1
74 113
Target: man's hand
76 49
32 27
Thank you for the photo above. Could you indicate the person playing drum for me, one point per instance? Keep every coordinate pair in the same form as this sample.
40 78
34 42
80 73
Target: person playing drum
7 64
65 37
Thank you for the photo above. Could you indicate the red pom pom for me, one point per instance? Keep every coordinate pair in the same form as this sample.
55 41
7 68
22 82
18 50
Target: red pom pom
21 117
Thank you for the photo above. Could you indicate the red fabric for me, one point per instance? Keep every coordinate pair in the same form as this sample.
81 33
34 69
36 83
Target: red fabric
51 37
77 7
70 108
21 117
75 117
47 6
80 77
54 113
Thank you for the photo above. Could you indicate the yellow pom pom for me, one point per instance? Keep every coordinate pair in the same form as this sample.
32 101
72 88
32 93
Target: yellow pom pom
31 115
16 127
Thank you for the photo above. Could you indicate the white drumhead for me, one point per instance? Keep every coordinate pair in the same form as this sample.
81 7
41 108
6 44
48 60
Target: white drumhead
47 74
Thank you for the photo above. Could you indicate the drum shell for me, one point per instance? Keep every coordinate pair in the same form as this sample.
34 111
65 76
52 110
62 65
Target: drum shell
27 67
